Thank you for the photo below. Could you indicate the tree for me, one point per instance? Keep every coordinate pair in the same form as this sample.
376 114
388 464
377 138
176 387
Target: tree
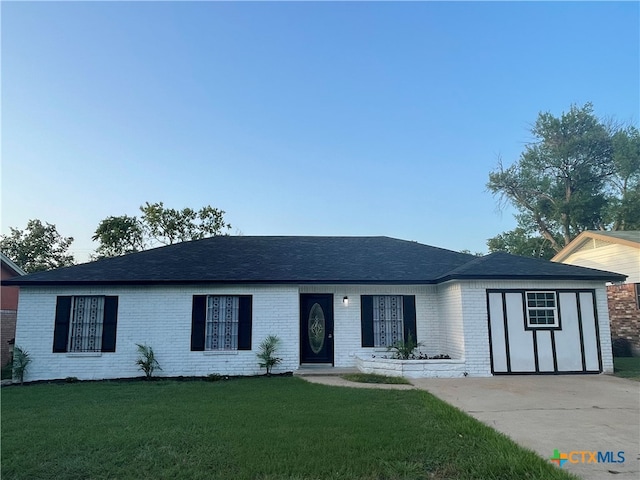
168 226
38 247
580 173
119 236
157 225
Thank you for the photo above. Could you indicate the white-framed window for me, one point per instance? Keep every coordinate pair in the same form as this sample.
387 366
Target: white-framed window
86 324
388 320
638 295
221 330
542 309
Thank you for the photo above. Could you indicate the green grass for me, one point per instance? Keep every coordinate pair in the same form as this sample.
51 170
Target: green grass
258 428
374 378
627 367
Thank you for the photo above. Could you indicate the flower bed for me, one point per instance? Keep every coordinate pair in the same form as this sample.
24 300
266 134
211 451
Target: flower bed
438 368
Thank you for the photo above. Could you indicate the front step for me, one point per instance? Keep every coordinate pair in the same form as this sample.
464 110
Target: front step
322 369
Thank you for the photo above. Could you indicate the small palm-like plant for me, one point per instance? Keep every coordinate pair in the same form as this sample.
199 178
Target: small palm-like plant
147 360
268 349
404 349
21 361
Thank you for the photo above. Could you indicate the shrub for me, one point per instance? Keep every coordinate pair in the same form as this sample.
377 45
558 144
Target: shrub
404 349
147 360
21 361
621 347
268 349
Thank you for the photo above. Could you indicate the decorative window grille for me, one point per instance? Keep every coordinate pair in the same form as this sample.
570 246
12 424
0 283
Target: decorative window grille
387 320
542 310
222 323
85 332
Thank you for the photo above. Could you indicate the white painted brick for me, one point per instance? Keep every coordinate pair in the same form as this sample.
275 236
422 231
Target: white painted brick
451 319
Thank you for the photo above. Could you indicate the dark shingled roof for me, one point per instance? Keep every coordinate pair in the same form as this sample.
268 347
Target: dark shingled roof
353 260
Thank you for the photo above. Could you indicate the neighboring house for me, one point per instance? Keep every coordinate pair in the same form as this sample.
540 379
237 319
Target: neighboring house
616 252
205 306
9 308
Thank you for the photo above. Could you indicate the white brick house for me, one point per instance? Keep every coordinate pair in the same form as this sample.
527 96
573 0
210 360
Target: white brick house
205 306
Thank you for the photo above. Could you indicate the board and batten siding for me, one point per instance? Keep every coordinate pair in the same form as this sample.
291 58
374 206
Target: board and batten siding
580 343
475 311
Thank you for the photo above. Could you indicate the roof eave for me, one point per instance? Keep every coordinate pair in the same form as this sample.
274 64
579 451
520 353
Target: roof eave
43 283
599 278
571 247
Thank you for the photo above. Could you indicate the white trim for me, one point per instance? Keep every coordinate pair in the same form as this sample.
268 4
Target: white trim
553 309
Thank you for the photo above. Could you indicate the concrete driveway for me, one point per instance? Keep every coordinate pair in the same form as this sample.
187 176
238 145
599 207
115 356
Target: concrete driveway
570 413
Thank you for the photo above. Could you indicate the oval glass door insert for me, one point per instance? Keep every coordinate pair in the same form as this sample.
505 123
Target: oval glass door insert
316 328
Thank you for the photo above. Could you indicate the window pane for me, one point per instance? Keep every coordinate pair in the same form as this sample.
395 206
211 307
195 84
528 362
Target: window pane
222 323
85 332
541 308
388 319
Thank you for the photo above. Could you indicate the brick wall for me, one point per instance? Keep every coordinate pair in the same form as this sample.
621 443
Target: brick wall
451 319
7 333
624 313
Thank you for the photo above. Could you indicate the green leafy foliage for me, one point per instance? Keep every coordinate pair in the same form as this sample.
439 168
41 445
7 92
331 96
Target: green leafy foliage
580 173
157 225
21 361
119 236
38 247
267 352
375 378
404 349
147 360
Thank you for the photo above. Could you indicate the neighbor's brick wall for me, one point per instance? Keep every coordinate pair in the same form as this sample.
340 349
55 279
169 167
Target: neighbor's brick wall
624 313
9 295
7 333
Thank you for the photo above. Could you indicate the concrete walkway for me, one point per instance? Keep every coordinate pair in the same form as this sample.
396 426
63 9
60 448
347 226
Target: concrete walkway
570 413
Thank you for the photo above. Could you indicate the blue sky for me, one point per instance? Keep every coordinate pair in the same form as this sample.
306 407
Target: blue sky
295 118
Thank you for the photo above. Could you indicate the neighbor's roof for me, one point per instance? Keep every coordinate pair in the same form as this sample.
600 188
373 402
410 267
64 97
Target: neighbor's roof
630 238
296 260
11 265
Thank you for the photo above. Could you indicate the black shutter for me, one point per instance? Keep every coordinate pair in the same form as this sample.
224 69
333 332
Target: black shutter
61 329
366 320
198 320
409 310
245 314
109 324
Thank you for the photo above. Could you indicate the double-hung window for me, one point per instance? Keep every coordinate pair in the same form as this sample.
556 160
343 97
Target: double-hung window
387 319
542 310
221 322
85 324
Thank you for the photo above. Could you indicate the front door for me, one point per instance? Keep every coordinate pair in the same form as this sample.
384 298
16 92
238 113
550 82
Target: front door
316 328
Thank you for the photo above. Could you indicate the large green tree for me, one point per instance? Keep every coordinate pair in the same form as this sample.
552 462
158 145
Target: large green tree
580 173
38 247
157 225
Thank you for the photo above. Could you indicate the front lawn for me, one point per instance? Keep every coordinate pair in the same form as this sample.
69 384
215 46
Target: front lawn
627 367
263 428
